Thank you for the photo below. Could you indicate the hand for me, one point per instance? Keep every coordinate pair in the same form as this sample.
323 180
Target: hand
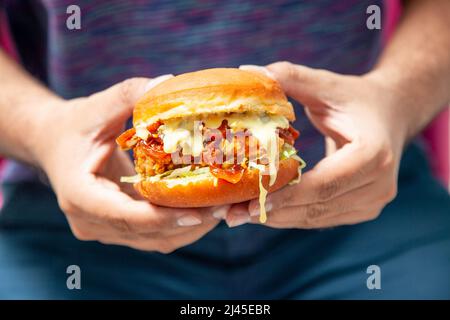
365 130
77 150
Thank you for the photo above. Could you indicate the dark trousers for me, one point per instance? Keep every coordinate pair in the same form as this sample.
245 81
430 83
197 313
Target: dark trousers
409 242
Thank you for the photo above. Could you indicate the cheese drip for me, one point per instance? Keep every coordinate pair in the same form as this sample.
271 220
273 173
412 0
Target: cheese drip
264 128
262 201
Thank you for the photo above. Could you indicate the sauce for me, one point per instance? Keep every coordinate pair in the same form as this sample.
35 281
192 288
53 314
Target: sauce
262 200
186 133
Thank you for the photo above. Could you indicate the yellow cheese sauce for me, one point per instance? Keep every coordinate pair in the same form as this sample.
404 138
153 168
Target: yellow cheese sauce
262 200
186 134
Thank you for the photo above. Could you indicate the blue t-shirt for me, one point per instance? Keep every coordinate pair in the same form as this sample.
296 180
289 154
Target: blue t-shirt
122 39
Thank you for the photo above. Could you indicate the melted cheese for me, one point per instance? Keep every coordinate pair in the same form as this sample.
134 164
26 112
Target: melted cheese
262 200
142 132
185 133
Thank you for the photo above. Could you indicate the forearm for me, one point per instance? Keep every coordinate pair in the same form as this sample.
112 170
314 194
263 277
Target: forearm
24 103
416 63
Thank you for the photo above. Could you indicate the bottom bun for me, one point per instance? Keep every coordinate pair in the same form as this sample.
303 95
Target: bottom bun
201 191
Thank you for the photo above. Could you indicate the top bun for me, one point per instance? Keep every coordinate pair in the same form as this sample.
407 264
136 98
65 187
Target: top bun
219 90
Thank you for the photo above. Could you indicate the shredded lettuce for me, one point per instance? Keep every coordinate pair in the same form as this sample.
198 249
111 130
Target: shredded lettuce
131 179
180 173
302 162
287 152
171 174
187 172
254 165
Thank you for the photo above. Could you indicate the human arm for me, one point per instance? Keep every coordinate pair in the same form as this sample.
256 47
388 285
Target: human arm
73 142
367 120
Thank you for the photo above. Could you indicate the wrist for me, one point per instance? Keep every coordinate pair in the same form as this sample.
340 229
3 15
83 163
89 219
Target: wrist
403 109
40 133
416 100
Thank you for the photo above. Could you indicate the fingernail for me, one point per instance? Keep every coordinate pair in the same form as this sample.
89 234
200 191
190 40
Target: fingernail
188 221
238 221
155 81
220 212
260 69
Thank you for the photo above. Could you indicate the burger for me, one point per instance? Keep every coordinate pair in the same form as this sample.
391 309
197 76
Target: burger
212 137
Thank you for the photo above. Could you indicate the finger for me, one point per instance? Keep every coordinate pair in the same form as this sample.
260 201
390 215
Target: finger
218 212
300 82
116 166
306 85
207 219
106 204
350 218
347 218
165 243
330 146
238 214
257 69
348 168
373 195
118 101
87 230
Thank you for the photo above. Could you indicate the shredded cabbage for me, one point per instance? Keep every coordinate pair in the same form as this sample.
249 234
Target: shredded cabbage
171 174
131 179
187 172
287 152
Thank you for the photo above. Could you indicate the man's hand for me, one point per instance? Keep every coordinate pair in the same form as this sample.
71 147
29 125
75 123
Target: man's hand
365 131
75 146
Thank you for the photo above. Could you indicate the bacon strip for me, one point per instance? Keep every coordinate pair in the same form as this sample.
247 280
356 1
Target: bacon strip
289 135
127 139
232 174
151 151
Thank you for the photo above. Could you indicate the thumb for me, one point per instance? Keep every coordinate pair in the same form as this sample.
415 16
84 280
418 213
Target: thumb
306 85
117 102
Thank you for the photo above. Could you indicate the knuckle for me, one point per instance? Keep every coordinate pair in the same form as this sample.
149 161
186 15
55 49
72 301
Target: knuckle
166 246
121 224
307 224
289 69
390 193
107 241
126 88
284 64
156 224
328 189
81 234
286 68
385 159
67 206
315 211
283 197
373 214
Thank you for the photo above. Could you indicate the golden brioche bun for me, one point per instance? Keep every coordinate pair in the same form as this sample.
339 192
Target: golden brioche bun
212 91
184 192
219 90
